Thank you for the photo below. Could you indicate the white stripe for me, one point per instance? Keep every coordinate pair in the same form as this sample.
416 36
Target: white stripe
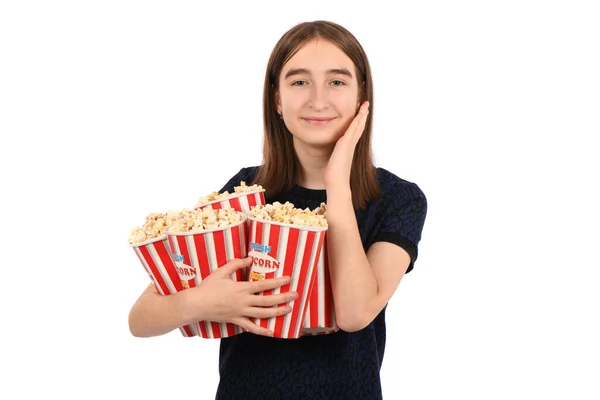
147 268
311 267
264 240
281 253
189 241
161 268
228 238
167 279
211 251
295 278
321 289
242 230
224 332
244 204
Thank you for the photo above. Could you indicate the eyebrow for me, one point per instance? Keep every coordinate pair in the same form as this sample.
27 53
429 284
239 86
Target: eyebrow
334 71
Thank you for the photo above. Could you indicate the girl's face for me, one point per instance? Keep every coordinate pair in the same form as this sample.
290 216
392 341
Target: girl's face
318 94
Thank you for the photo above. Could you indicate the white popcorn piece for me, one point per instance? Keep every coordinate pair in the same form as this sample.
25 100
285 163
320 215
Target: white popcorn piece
154 226
288 214
204 219
243 188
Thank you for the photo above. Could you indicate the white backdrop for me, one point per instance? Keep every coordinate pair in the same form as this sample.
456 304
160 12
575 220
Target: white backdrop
111 110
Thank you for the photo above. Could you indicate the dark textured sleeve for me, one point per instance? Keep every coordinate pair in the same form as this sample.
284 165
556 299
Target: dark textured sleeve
403 219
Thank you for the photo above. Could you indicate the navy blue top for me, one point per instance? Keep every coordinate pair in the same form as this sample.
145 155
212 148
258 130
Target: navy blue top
340 365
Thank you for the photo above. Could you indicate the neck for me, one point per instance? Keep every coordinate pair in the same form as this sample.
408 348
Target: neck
313 162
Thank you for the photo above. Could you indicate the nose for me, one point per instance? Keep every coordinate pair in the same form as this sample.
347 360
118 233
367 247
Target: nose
318 98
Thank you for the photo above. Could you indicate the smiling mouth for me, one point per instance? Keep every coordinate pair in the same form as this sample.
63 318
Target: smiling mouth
318 122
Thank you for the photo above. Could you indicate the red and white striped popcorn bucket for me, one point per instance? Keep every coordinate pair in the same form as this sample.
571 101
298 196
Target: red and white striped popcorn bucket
156 259
242 201
320 314
198 254
278 250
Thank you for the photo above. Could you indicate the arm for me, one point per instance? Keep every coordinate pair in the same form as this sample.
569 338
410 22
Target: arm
218 298
154 314
362 283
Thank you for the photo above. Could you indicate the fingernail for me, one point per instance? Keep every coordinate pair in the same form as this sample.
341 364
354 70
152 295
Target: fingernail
286 279
270 333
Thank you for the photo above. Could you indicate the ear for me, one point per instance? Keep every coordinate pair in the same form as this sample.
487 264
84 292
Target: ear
361 96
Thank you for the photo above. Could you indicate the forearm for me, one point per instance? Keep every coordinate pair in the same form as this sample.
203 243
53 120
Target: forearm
154 314
353 282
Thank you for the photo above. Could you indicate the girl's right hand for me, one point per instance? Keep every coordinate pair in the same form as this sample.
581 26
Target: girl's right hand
218 298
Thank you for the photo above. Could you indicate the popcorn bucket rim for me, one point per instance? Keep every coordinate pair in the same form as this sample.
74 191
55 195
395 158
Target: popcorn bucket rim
232 196
243 219
309 228
149 241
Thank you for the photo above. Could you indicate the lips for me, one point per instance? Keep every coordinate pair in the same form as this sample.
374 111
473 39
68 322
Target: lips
317 120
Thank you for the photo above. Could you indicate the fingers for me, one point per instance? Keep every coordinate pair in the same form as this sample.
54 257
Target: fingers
234 265
273 300
361 119
251 327
267 284
258 312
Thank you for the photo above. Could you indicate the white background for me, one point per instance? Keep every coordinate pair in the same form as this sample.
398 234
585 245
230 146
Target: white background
111 110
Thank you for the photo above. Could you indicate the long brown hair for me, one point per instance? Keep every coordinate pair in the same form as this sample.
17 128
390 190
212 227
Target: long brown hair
280 167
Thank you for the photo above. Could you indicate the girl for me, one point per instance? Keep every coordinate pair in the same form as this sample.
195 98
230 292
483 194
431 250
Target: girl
318 102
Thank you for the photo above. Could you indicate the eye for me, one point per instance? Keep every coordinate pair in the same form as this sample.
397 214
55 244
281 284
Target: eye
337 83
299 83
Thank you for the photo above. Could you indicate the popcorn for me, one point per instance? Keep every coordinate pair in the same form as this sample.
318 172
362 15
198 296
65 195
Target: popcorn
154 227
243 188
288 214
214 196
205 219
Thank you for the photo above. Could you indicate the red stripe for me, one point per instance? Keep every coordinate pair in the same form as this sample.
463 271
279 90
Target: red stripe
216 329
220 249
202 257
327 291
262 198
314 302
230 329
173 275
288 267
273 243
187 330
257 238
184 251
159 283
153 268
204 266
216 206
165 257
235 204
237 249
221 256
304 268
203 329
251 200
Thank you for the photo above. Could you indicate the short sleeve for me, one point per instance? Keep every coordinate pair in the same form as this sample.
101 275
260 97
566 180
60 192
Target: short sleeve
403 219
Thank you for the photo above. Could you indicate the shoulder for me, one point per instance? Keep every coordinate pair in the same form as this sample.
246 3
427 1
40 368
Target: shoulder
246 174
249 173
396 189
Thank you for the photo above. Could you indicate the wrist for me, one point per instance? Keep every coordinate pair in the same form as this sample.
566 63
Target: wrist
188 309
338 191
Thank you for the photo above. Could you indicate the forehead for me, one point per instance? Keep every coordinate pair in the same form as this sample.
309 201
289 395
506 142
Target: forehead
319 55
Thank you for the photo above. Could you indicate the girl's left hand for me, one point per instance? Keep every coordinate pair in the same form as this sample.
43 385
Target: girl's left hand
338 169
